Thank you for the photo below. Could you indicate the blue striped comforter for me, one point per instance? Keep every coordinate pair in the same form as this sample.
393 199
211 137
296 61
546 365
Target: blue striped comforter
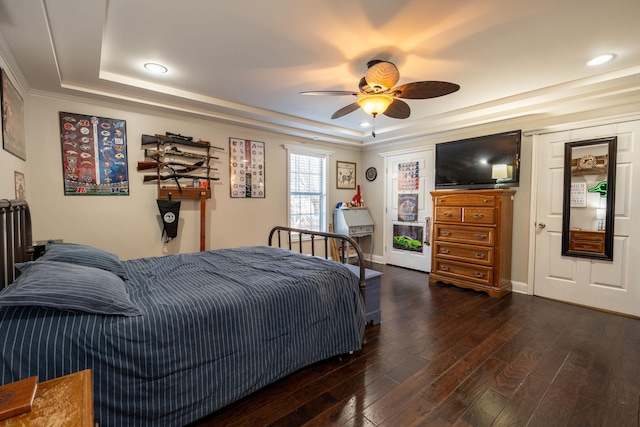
219 325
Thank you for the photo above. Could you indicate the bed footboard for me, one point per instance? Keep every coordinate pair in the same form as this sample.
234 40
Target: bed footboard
298 235
15 238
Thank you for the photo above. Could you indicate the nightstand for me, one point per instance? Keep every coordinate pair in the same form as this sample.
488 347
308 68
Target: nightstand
63 401
39 247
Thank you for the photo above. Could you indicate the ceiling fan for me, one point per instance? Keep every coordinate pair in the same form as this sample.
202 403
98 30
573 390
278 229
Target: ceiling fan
379 96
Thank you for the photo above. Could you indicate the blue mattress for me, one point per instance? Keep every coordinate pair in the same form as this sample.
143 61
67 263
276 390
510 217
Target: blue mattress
218 325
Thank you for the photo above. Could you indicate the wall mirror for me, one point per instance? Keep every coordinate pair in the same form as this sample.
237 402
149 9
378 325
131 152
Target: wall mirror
588 203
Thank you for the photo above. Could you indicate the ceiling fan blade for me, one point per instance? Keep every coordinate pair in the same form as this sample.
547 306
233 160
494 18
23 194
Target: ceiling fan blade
329 93
424 90
382 76
398 110
345 110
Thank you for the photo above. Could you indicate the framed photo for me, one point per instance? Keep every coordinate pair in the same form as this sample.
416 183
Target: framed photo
21 189
345 175
13 139
246 169
94 155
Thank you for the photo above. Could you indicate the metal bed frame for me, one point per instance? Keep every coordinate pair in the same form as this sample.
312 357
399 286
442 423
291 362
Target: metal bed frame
16 242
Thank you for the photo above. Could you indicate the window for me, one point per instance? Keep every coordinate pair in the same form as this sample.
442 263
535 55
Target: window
307 189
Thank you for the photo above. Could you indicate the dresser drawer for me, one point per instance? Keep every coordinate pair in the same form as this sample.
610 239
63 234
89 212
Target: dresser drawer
464 199
476 273
479 215
464 253
448 214
464 234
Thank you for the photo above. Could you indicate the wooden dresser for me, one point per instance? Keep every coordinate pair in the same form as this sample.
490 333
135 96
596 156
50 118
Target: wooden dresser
63 401
472 239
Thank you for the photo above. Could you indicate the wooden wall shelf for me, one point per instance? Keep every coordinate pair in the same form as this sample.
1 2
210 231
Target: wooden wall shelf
186 193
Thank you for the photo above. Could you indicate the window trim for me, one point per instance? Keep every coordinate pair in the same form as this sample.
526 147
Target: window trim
315 152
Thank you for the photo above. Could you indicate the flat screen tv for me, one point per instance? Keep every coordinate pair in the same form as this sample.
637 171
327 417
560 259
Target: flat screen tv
491 161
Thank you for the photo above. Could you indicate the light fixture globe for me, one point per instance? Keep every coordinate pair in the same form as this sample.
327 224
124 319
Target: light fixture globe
375 104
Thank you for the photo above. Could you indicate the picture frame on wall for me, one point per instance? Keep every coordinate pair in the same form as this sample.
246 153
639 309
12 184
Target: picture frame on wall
94 155
21 189
13 134
345 175
246 169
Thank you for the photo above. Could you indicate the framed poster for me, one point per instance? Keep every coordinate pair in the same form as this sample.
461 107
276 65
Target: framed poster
408 237
13 139
94 155
246 169
408 207
21 190
345 175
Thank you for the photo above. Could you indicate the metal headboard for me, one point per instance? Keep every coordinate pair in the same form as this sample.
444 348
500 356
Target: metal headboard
296 234
15 238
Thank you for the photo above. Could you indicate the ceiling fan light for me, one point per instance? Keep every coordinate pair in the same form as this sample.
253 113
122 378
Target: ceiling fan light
375 104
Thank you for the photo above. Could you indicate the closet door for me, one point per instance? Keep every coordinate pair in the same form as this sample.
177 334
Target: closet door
409 181
607 285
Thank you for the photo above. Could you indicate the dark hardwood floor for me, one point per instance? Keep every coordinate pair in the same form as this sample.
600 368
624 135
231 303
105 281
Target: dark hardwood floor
444 356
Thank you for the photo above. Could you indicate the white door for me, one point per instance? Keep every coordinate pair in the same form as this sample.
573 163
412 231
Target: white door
606 285
409 181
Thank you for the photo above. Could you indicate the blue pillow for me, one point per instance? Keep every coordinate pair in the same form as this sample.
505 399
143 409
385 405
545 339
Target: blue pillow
69 287
84 255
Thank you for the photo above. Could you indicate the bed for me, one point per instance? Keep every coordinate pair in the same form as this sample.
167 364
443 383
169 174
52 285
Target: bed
173 338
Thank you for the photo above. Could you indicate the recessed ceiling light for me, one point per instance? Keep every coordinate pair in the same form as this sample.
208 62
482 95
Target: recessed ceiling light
155 68
601 59
365 124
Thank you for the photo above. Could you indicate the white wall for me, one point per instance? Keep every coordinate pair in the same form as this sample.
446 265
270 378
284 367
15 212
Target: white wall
130 225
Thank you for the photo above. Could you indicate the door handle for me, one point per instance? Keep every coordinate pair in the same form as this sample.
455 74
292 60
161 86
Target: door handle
541 225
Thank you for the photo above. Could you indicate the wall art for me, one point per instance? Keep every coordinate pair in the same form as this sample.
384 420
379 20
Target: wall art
21 188
94 155
13 136
345 175
246 168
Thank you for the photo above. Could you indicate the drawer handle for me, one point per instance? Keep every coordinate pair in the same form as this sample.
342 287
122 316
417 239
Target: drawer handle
478 215
478 274
447 214
480 236
444 251
446 233
444 268
487 200
478 255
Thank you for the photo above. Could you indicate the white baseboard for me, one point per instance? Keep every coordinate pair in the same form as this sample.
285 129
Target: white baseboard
520 287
